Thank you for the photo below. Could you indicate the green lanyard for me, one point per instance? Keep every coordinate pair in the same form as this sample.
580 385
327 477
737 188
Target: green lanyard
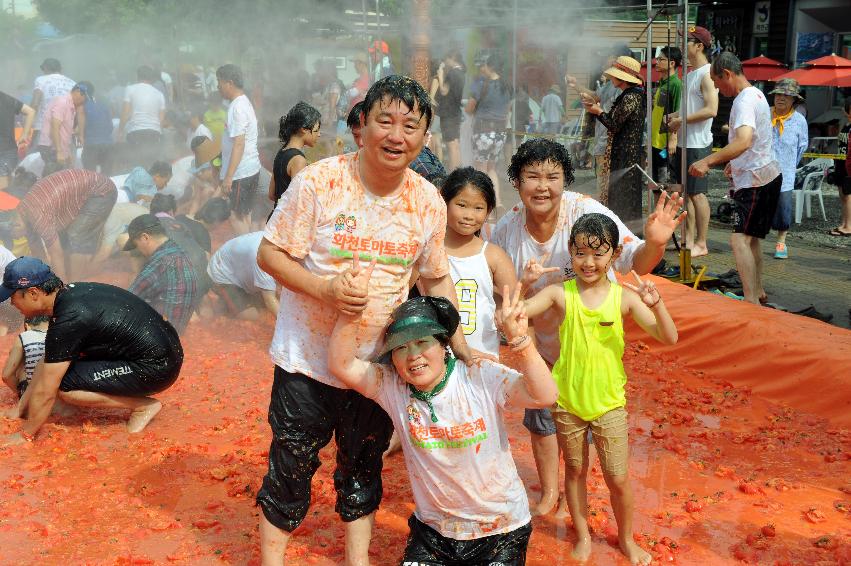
427 396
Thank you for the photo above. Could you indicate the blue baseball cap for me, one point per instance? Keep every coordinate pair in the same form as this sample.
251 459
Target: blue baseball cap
23 273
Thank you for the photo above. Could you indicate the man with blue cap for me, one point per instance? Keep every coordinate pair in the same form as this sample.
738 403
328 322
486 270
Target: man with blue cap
104 348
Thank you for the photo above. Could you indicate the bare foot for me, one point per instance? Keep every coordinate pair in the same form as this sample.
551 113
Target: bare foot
581 550
546 504
699 251
141 416
394 446
634 553
561 511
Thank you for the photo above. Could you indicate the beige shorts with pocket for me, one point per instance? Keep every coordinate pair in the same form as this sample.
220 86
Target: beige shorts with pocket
610 433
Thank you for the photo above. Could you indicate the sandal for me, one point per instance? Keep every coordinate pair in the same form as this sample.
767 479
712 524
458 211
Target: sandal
838 232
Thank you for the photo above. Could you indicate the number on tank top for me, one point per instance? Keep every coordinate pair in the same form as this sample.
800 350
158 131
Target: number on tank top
466 290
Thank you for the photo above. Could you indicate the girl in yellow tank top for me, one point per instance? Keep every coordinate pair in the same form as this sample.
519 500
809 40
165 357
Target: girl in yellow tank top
589 372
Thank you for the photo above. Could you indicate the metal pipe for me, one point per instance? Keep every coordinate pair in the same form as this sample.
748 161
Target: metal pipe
646 175
684 109
685 250
649 99
514 122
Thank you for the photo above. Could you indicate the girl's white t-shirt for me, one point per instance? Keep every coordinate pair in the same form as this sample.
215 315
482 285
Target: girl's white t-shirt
462 474
474 285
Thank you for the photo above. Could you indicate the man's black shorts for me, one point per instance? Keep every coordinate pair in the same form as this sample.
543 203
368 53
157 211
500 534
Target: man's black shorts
243 193
304 414
115 377
427 547
754 207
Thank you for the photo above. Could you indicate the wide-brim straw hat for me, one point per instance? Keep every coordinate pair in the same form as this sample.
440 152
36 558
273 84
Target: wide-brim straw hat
626 69
789 87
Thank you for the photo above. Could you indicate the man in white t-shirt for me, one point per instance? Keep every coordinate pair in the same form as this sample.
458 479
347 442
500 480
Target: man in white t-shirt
371 204
754 172
702 99
47 87
240 158
141 118
244 288
535 235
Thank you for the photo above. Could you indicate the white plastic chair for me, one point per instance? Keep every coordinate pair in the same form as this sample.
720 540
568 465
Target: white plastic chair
811 186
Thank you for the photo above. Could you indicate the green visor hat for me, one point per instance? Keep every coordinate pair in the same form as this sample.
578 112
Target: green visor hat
417 318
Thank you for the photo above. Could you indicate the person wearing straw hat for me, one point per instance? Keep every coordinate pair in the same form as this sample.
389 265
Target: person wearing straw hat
790 140
604 93
622 185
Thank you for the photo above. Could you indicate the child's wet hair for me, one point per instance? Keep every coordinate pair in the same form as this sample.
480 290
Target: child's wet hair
464 176
38 319
398 88
540 150
353 119
598 229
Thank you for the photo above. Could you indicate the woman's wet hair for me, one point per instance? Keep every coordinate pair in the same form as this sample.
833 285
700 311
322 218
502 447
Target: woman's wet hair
302 115
163 203
398 88
597 229
38 319
214 211
353 119
540 150
469 176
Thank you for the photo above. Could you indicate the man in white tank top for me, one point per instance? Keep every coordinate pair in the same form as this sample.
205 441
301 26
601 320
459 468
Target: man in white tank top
702 107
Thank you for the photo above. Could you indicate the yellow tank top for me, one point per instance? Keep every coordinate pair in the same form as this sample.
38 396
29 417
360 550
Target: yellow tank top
589 371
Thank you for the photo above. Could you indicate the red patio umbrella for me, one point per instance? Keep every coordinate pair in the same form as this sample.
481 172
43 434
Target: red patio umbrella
762 68
830 70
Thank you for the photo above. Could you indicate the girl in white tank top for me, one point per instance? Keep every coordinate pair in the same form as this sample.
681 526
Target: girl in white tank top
478 269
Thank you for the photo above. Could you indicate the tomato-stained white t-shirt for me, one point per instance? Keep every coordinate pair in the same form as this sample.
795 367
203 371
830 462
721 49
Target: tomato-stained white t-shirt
325 216
462 474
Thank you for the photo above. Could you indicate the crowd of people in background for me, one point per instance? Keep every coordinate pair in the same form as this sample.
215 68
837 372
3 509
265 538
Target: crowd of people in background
386 249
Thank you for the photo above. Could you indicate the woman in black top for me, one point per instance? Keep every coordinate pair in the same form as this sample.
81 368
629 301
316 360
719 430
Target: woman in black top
299 128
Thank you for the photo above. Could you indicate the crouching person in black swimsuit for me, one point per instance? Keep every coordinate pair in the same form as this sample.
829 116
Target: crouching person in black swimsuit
104 347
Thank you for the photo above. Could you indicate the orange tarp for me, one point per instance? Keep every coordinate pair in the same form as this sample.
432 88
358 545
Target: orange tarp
720 473
781 357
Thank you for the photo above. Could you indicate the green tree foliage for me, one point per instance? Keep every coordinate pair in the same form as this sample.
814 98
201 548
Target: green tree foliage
164 17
